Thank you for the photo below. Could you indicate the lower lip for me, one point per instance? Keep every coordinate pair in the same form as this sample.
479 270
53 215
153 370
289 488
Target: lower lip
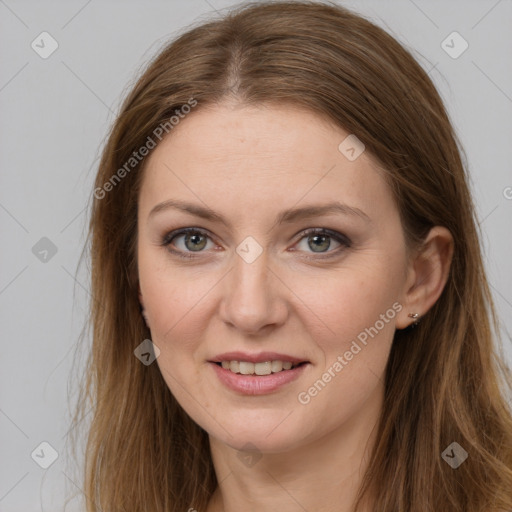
257 384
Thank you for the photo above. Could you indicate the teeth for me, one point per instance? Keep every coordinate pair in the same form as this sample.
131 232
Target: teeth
265 368
277 366
246 368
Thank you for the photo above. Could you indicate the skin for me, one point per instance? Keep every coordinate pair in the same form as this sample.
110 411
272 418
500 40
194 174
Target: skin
249 164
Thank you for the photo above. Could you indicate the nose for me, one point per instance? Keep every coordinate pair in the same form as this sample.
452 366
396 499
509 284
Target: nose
254 296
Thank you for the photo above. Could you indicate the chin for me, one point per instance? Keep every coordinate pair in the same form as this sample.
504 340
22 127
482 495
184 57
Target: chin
266 437
259 444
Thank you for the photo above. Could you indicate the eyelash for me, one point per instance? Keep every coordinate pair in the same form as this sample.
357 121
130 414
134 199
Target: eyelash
340 238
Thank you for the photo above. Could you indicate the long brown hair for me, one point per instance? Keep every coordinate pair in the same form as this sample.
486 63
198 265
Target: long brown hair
445 381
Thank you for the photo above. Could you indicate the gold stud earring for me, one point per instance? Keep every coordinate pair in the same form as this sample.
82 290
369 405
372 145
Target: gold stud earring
415 316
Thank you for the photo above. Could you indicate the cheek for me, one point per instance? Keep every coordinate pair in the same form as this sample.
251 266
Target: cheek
359 317
352 327
169 292
177 312
340 306
177 305
177 301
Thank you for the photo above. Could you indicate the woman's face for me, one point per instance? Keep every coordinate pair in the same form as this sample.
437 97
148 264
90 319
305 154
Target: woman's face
252 283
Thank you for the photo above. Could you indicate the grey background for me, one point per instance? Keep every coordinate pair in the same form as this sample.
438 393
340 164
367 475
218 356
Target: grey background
55 113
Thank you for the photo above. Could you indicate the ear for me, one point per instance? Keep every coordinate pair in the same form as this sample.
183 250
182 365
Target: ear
427 273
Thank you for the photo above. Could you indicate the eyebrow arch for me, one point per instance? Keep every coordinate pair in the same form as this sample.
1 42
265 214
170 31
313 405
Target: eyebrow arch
286 216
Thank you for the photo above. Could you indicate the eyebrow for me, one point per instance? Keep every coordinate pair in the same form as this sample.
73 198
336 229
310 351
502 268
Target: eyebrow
287 216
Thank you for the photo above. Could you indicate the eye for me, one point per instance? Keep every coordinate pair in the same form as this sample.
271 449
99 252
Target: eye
195 240
318 240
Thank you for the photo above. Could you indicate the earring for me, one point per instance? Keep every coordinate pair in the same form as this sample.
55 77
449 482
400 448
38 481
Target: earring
415 316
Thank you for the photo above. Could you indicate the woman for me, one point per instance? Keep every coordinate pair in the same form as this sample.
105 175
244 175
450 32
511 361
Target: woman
291 311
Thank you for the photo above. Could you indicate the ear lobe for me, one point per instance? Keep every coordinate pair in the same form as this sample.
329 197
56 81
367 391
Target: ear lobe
430 269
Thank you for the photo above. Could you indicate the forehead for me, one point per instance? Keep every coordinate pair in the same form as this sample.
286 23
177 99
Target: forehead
265 157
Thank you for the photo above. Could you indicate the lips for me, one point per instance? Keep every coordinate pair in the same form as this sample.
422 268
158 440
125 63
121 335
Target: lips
257 384
257 374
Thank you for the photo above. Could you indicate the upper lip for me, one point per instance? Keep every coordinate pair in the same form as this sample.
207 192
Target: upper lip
260 357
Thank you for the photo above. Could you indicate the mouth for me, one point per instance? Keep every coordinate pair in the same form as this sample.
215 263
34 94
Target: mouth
257 373
260 368
258 378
